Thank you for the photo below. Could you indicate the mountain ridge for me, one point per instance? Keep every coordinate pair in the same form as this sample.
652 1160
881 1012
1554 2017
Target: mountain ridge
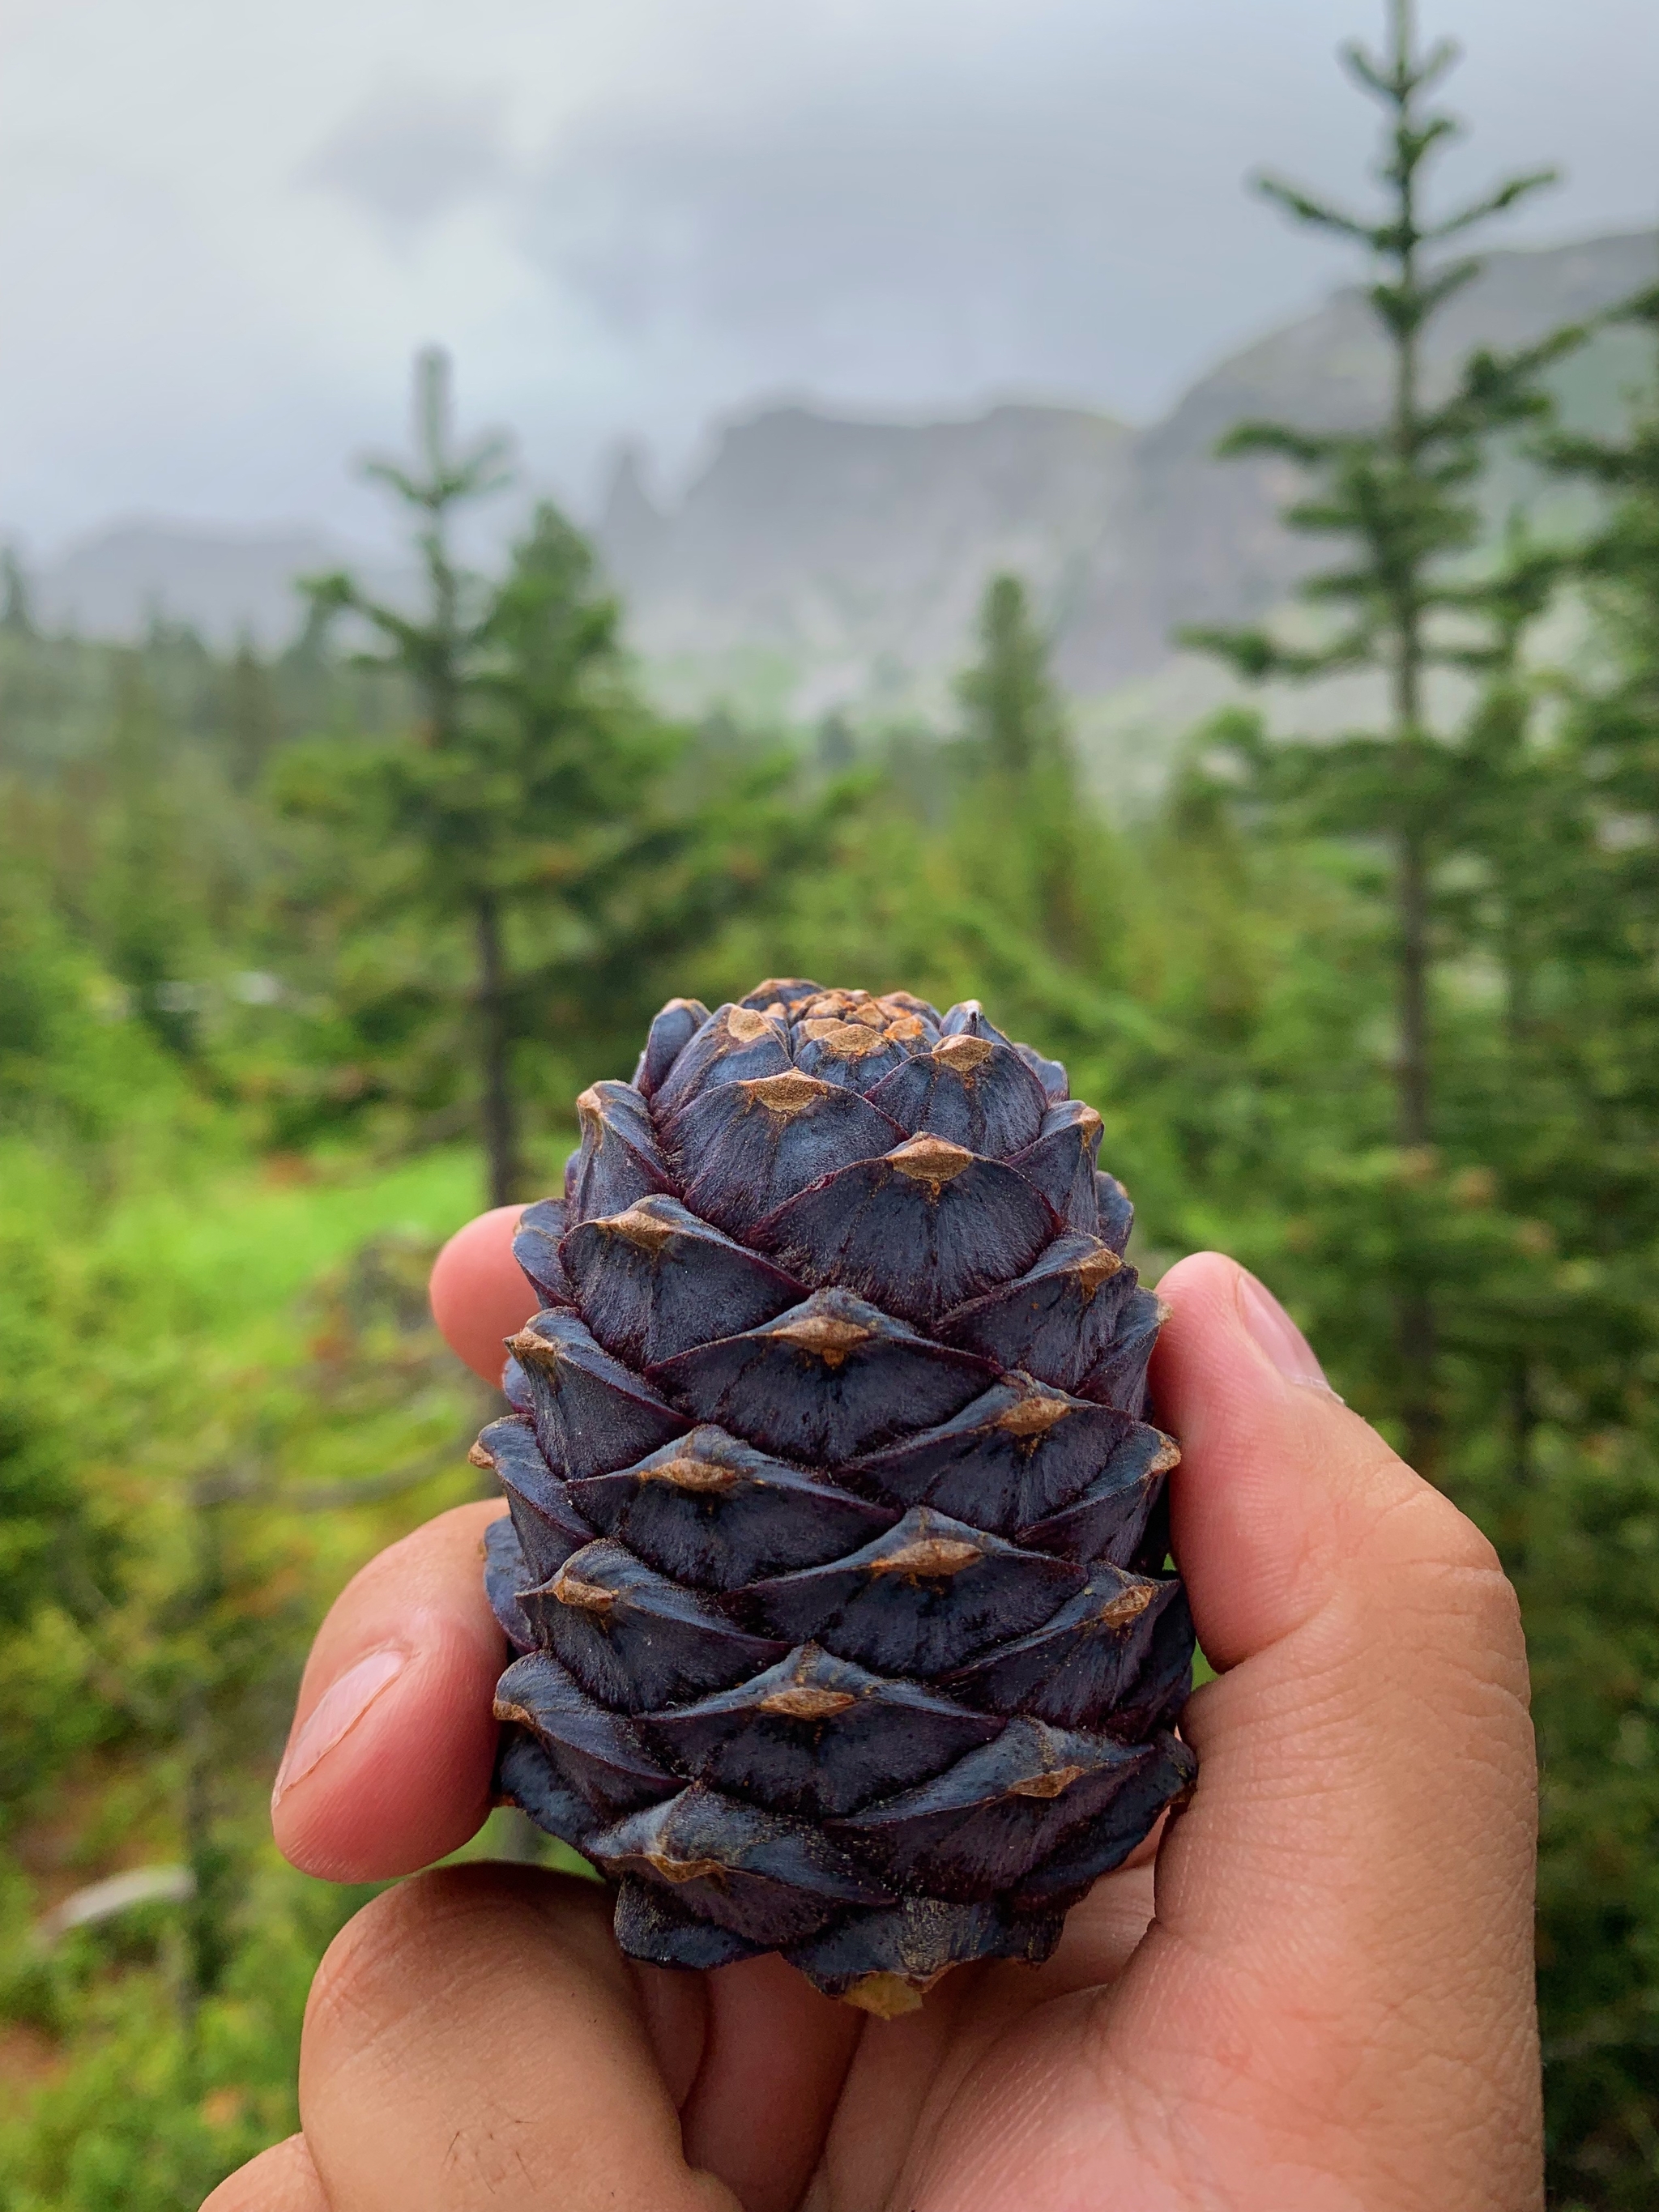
818 560
1123 533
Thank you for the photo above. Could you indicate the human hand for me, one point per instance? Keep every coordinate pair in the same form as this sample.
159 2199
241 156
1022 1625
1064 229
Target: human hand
1318 1999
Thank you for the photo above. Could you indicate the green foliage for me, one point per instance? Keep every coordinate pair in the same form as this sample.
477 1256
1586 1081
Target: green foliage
219 1388
267 1405
1462 1199
1020 820
511 874
1401 498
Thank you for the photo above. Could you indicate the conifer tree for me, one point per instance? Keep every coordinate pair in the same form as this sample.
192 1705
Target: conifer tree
539 810
17 601
251 718
1025 791
1594 1618
145 919
437 653
1401 599
1617 724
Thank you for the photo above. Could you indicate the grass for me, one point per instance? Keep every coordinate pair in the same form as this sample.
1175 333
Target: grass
201 1314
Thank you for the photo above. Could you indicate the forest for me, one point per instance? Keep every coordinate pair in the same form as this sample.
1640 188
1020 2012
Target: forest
304 954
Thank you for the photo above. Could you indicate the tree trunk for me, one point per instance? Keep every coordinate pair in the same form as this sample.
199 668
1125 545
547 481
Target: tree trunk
1414 1319
1415 1332
206 1932
1414 1316
1523 1425
499 1122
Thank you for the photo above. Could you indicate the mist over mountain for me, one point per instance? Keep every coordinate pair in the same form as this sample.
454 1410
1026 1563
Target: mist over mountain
817 562
223 584
824 562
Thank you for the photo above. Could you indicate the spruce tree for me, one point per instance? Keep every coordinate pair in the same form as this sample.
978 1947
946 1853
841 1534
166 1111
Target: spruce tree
1593 1618
16 600
1024 790
145 916
1618 722
252 717
1402 599
529 858
437 651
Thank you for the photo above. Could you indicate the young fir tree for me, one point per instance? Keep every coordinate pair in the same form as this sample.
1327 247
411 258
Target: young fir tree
252 719
527 859
1615 725
145 917
430 784
1588 1582
17 601
1400 600
1024 792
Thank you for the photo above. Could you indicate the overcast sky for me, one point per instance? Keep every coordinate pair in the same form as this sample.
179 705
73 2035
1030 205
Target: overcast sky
224 225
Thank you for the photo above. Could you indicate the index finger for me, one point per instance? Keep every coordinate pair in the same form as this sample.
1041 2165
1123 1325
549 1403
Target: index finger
390 1759
389 1762
479 1295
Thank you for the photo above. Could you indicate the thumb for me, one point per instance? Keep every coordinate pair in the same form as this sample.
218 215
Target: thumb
1343 1938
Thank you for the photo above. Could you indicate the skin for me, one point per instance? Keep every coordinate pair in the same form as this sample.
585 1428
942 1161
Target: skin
1315 1997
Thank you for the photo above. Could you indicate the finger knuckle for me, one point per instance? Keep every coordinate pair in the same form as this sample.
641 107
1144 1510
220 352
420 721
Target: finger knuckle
1435 1559
1420 1529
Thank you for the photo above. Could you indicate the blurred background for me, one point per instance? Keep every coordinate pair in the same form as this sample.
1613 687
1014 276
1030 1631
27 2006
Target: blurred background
507 520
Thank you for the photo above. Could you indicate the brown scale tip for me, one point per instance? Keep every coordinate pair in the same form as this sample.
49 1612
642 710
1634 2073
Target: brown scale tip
1053 1784
887 1996
588 1597
781 987
1033 1415
786 1096
477 1457
845 1040
834 1004
638 1227
963 1053
672 1869
803 1703
745 1024
1095 1269
697 1474
1128 1604
534 1351
930 1159
824 1337
927 1557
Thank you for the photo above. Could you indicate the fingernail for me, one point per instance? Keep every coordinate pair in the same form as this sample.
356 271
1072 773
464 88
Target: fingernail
1278 1336
335 1714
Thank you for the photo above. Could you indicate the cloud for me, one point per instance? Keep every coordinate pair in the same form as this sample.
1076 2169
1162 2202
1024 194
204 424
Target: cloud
1045 198
916 219
414 152
225 231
